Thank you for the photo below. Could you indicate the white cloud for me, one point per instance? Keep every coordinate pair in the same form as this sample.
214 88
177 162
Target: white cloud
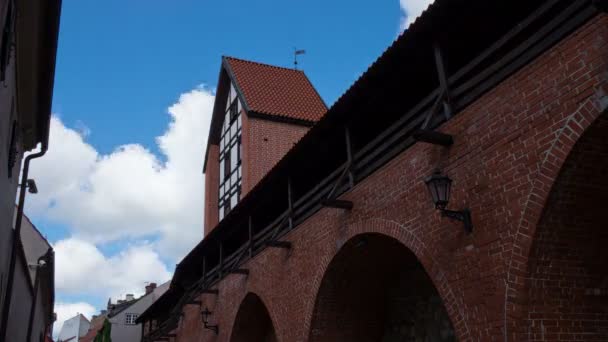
129 193
66 311
411 10
82 269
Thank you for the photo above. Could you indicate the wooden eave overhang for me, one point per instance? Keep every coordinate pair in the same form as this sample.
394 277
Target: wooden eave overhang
37 31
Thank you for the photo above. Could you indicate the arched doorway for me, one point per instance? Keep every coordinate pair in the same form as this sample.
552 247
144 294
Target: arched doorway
567 279
253 323
375 289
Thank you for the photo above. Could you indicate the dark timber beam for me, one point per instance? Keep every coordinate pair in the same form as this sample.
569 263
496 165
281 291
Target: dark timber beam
239 271
195 302
432 137
601 5
250 248
211 291
219 273
290 203
443 81
338 204
279 244
204 269
349 158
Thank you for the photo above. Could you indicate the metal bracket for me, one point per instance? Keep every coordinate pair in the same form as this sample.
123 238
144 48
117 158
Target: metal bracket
463 216
215 328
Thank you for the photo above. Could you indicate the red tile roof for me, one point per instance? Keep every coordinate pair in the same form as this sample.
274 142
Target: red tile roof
276 91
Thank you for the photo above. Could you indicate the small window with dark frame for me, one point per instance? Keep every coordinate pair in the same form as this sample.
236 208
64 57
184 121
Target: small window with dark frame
230 155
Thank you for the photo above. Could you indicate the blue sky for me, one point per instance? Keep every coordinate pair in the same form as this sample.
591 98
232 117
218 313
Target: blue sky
121 63
121 187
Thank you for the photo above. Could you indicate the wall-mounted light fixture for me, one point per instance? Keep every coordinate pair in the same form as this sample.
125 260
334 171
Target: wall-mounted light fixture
30 184
205 316
440 186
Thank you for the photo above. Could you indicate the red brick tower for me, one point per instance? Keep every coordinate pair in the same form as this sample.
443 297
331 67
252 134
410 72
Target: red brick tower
260 112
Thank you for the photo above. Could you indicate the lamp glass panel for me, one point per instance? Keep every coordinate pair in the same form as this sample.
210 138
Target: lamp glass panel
433 191
443 190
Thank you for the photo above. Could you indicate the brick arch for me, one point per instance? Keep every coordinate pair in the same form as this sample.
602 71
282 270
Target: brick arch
253 321
573 129
411 242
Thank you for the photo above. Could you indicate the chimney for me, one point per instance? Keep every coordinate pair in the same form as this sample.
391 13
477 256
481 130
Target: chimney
129 297
150 287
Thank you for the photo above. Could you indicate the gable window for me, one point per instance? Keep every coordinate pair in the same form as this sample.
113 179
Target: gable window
130 318
230 155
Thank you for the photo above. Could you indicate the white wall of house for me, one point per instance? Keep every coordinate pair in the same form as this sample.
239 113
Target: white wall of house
76 326
123 332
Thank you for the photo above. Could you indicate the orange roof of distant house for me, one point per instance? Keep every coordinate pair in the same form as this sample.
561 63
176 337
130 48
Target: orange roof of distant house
96 325
276 91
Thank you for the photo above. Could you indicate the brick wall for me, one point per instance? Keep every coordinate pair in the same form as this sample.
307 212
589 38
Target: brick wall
252 322
265 143
568 283
509 148
212 176
376 290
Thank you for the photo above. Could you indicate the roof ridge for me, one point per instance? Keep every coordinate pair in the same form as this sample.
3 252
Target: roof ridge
265 64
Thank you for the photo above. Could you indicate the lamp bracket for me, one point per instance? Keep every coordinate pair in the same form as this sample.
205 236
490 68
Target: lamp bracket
215 328
463 216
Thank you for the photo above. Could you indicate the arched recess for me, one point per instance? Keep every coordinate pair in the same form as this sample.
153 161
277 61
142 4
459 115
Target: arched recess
567 271
252 322
375 289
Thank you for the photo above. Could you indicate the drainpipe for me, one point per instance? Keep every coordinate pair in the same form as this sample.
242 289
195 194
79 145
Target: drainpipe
40 268
17 238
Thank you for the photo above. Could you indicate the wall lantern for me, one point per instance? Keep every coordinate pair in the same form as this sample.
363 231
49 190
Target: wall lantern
30 184
205 316
439 187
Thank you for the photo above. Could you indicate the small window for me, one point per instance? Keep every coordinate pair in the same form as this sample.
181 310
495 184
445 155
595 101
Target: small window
226 165
130 318
222 170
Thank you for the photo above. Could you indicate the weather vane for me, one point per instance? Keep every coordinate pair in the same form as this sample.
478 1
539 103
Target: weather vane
297 52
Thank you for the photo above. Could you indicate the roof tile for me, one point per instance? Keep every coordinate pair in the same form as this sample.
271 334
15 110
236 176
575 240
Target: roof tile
277 91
